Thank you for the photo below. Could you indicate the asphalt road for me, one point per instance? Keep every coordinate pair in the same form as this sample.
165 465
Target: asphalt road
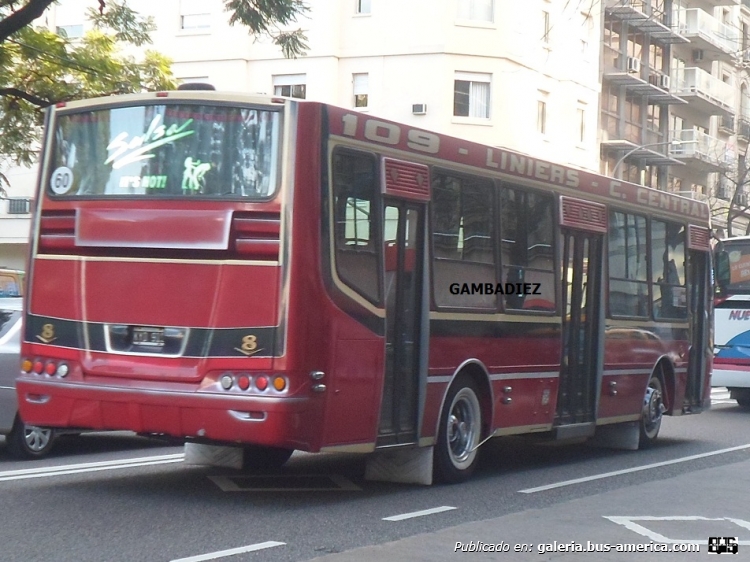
112 498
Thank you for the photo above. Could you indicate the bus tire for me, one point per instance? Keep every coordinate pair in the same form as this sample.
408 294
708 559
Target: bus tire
256 458
651 415
455 457
28 441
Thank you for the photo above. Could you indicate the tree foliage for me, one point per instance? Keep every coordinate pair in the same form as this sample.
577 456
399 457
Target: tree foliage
267 17
732 206
39 67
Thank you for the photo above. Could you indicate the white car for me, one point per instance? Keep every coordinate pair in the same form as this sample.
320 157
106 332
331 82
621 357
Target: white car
24 441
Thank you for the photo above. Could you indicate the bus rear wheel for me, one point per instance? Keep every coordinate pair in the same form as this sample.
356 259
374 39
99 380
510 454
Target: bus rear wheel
455 457
256 458
653 407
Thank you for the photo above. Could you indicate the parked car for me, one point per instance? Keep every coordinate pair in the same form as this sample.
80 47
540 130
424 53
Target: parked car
24 441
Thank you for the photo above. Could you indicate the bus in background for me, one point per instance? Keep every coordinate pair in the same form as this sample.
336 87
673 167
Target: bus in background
732 318
260 275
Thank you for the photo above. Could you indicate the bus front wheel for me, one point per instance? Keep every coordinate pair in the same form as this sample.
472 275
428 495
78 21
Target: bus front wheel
256 458
455 456
653 407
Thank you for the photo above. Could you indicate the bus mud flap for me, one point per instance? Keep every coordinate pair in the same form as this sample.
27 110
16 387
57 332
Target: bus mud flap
213 455
405 466
617 436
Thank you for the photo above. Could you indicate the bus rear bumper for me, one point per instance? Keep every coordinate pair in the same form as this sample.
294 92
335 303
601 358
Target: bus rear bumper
730 376
279 422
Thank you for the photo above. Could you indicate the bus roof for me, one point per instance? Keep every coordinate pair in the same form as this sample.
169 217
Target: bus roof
440 149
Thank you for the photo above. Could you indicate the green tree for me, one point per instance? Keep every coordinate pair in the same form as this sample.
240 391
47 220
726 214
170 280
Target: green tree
39 68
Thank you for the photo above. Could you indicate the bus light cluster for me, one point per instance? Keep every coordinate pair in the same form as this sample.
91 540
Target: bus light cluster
258 383
49 367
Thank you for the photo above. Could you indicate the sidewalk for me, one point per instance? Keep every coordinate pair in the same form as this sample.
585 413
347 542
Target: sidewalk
692 507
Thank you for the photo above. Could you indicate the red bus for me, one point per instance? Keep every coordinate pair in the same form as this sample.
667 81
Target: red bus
278 275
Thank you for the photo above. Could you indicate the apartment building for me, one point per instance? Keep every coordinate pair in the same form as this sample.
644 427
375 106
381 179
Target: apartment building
523 75
674 97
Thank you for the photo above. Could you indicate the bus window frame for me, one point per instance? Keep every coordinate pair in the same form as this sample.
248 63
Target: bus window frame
434 172
46 166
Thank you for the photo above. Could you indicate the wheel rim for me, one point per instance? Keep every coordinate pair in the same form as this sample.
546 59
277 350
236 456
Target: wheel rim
653 406
36 438
463 428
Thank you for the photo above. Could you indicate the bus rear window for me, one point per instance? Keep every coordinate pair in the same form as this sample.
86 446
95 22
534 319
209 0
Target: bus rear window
185 150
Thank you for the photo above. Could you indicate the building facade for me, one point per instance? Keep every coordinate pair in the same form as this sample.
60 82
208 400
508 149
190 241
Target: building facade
654 91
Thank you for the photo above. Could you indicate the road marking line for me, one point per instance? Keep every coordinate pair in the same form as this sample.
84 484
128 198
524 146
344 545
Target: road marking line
419 513
629 523
634 469
230 552
46 471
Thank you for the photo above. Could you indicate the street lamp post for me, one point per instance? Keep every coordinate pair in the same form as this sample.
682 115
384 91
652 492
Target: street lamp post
640 147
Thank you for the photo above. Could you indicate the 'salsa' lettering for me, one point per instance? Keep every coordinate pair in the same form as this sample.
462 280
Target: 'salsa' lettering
126 151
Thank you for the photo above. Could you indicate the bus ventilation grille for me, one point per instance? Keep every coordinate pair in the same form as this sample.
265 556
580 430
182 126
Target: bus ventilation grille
57 231
256 235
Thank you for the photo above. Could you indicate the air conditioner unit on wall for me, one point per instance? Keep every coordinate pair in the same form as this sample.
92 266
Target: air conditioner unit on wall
664 82
698 55
419 108
634 65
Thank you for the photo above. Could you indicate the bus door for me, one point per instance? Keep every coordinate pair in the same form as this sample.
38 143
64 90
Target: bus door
699 314
403 285
403 303
581 362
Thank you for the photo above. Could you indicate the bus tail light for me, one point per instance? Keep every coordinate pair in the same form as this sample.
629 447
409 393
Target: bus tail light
243 381
254 383
41 366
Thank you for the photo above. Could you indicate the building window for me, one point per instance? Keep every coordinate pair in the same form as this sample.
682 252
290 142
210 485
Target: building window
70 31
363 6
545 26
476 10
290 85
194 15
361 87
581 113
471 95
541 116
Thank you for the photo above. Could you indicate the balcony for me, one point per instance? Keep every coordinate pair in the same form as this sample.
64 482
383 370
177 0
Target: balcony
700 151
702 91
639 78
716 39
640 15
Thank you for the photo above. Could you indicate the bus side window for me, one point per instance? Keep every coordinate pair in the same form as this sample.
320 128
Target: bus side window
355 222
527 249
628 274
668 270
463 240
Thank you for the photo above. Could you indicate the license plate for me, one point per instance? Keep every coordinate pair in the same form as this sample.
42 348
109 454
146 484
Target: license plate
152 337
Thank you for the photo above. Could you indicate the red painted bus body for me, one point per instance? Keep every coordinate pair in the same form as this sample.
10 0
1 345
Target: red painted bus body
179 314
